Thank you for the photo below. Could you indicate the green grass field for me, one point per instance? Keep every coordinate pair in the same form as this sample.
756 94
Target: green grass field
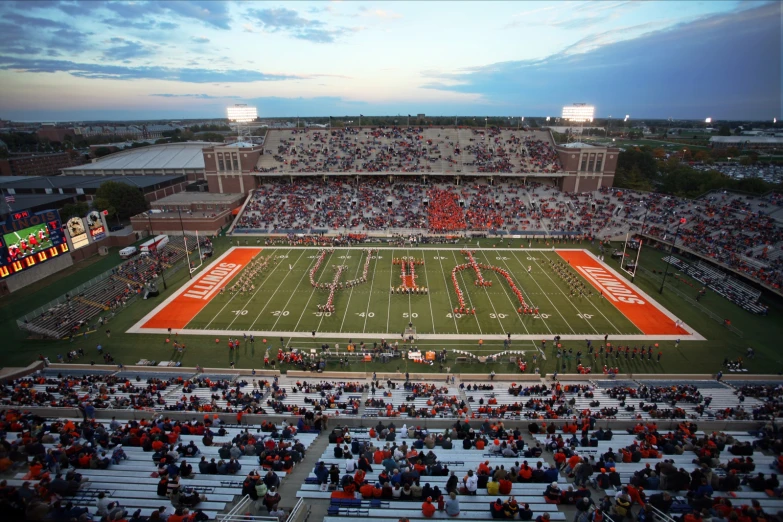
763 333
284 299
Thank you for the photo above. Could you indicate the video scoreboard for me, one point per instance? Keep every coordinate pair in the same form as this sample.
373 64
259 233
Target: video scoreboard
30 239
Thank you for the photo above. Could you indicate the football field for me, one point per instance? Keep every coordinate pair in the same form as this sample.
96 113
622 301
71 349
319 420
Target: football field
357 293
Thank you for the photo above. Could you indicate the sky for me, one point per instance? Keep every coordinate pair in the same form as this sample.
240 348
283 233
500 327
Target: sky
89 60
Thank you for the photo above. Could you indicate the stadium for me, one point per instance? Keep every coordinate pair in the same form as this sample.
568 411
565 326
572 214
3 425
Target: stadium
353 321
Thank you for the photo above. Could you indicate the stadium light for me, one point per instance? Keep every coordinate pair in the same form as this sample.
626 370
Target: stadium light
627 117
708 120
547 118
774 120
241 113
579 113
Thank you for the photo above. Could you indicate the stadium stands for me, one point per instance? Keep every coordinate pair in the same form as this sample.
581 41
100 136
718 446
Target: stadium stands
107 297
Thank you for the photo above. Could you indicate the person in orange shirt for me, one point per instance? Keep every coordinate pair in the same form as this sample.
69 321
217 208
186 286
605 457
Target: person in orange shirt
366 490
505 487
484 467
428 508
572 462
377 457
560 459
377 491
480 444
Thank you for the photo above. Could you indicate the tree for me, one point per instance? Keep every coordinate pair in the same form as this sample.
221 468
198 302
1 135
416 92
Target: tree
121 198
724 131
102 151
78 209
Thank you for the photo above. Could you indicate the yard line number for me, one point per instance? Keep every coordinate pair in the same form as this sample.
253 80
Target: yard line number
585 316
412 315
239 312
368 314
280 313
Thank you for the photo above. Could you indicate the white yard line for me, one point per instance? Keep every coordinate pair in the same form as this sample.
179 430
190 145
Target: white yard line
599 310
320 322
312 293
307 270
237 295
429 292
272 296
514 306
578 312
556 309
369 299
350 294
446 282
391 281
467 293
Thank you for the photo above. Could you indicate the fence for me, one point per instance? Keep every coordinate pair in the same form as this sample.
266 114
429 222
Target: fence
653 277
63 299
24 322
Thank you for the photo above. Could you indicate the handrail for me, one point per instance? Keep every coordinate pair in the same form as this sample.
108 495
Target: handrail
236 513
299 508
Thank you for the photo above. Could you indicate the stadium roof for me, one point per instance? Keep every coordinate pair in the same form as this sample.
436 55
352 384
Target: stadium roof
197 197
84 182
747 139
578 145
38 202
158 158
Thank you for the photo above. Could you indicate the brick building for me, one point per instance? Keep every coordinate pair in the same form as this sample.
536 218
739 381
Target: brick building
37 164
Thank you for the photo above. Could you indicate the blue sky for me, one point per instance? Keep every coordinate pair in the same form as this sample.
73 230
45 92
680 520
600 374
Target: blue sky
85 60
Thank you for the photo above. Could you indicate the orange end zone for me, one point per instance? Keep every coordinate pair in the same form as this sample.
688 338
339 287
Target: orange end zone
195 296
646 316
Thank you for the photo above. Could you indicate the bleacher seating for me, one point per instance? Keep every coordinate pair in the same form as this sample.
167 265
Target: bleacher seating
75 314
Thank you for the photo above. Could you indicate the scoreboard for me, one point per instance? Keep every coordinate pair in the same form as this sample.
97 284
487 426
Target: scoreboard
29 239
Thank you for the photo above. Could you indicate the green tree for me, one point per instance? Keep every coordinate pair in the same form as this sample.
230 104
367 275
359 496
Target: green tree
102 151
78 209
724 131
121 198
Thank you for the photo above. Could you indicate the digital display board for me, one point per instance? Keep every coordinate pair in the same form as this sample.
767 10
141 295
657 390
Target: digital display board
95 224
77 232
30 239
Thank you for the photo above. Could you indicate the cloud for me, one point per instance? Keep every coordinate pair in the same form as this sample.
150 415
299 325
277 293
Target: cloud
200 39
117 72
123 49
196 96
379 13
679 71
280 19
213 14
31 35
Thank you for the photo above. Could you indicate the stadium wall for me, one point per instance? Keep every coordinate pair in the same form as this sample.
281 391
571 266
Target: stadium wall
36 273
229 179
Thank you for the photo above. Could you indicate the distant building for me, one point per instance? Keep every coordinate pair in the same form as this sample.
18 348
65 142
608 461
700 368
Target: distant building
37 164
54 133
747 142
134 132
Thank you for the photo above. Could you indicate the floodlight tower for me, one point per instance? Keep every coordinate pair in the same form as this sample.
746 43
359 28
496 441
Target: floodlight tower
578 113
241 115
